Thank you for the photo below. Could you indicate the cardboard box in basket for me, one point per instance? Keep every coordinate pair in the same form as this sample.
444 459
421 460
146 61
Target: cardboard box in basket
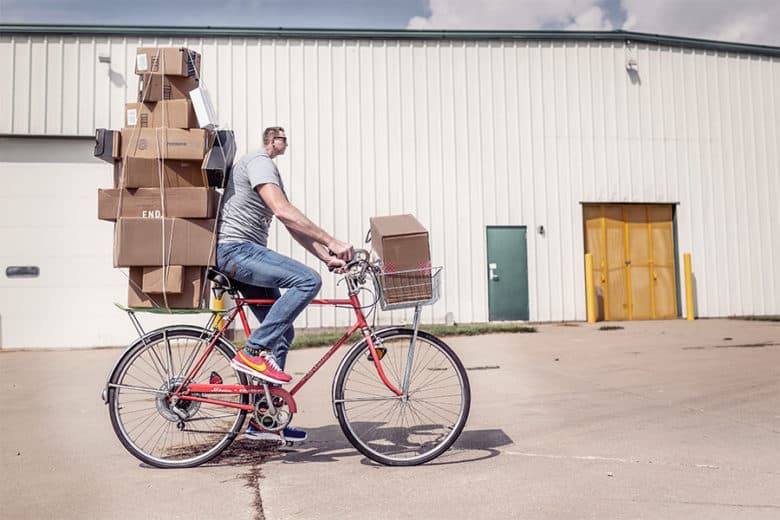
148 242
156 203
176 113
172 61
145 287
402 244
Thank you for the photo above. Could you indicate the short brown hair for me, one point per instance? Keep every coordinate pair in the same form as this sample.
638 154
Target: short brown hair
270 133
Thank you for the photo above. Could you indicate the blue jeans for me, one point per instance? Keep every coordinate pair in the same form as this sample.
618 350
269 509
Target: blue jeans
260 273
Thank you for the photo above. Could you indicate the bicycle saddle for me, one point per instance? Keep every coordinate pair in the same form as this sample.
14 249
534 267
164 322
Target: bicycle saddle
222 282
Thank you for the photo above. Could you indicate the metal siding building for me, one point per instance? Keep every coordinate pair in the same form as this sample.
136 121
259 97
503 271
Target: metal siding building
465 130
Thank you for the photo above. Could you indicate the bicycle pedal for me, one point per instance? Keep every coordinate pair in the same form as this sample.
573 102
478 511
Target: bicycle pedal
380 352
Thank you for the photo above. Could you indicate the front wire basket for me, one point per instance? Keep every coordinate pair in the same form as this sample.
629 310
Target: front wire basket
403 289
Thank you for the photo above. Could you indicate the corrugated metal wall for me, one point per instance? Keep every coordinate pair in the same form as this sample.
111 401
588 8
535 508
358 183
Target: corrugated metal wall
467 134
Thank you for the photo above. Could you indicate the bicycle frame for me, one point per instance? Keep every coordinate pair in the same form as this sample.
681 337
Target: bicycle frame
239 311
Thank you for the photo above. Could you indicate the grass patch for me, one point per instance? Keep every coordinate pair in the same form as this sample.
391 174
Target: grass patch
610 327
326 338
475 329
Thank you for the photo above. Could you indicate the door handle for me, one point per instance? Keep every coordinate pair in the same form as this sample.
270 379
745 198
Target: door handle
22 271
493 275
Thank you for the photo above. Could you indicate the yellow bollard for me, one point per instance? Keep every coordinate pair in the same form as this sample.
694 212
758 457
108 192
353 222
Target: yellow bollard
688 287
219 305
590 293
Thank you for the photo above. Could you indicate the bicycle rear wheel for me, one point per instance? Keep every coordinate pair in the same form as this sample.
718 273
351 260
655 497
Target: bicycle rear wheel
395 431
154 429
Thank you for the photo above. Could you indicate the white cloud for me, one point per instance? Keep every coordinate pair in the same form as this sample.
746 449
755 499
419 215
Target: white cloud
747 21
592 19
513 15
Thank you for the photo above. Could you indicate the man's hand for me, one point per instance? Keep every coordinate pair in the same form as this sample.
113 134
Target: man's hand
341 250
336 265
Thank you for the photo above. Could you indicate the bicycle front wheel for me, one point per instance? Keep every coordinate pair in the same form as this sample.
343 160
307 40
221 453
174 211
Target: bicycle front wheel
409 430
154 428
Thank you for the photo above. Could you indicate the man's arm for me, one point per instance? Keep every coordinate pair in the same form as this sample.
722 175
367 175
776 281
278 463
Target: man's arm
301 228
311 246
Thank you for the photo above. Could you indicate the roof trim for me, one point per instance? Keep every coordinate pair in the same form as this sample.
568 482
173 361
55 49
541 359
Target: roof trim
395 34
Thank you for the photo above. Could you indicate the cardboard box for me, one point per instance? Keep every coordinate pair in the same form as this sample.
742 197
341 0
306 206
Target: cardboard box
173 61
148 242
194 292
146 173
159 280
402 244
156 203
153 87
165 143
107 145
219 159
176 113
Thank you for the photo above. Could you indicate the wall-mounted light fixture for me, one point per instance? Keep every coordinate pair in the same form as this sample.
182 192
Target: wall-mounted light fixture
540 230
104 58
632 64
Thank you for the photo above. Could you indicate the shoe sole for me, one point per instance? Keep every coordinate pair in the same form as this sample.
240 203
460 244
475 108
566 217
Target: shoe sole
267 436
254 373
260 436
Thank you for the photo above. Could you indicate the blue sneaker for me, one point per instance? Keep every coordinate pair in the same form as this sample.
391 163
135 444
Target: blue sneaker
256 432
294 434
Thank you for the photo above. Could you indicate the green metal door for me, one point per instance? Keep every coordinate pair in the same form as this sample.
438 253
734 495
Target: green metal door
507 273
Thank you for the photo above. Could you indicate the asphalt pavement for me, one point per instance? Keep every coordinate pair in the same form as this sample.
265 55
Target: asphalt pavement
668 419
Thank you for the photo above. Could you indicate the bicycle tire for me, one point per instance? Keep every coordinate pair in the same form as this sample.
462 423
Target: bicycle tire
391 431
145 422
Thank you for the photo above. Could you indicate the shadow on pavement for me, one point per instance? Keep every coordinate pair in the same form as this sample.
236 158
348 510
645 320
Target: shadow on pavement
328 444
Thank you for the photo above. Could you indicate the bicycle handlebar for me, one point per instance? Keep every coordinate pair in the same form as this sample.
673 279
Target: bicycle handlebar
361 256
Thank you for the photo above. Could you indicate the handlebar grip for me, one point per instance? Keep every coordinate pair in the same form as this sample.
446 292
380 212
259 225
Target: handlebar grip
355 259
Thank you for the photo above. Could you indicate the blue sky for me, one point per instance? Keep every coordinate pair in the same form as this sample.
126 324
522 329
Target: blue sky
747 21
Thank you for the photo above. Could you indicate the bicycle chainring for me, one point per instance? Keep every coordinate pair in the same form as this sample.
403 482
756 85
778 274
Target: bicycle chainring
272 421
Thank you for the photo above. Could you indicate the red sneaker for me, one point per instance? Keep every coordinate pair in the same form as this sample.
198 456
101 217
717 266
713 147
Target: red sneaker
263 366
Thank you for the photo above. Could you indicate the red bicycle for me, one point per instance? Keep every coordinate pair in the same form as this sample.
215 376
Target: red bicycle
401 395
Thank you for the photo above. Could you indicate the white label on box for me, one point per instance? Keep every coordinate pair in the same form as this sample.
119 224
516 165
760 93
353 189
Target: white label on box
151 213
132 116
140 62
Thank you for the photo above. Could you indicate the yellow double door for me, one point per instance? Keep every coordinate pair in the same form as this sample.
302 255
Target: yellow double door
633 260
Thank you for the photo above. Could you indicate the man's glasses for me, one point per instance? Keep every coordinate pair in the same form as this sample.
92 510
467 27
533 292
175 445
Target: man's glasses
283 139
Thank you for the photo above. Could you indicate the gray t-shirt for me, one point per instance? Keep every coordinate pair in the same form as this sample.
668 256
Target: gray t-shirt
244 216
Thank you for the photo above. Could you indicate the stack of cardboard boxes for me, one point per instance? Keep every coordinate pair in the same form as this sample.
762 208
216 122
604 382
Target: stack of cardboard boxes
167 164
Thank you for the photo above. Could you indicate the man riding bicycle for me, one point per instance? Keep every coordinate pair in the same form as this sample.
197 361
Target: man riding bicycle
254 194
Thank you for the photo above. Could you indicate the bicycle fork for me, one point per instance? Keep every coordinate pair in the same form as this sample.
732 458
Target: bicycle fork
405 382
410 353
